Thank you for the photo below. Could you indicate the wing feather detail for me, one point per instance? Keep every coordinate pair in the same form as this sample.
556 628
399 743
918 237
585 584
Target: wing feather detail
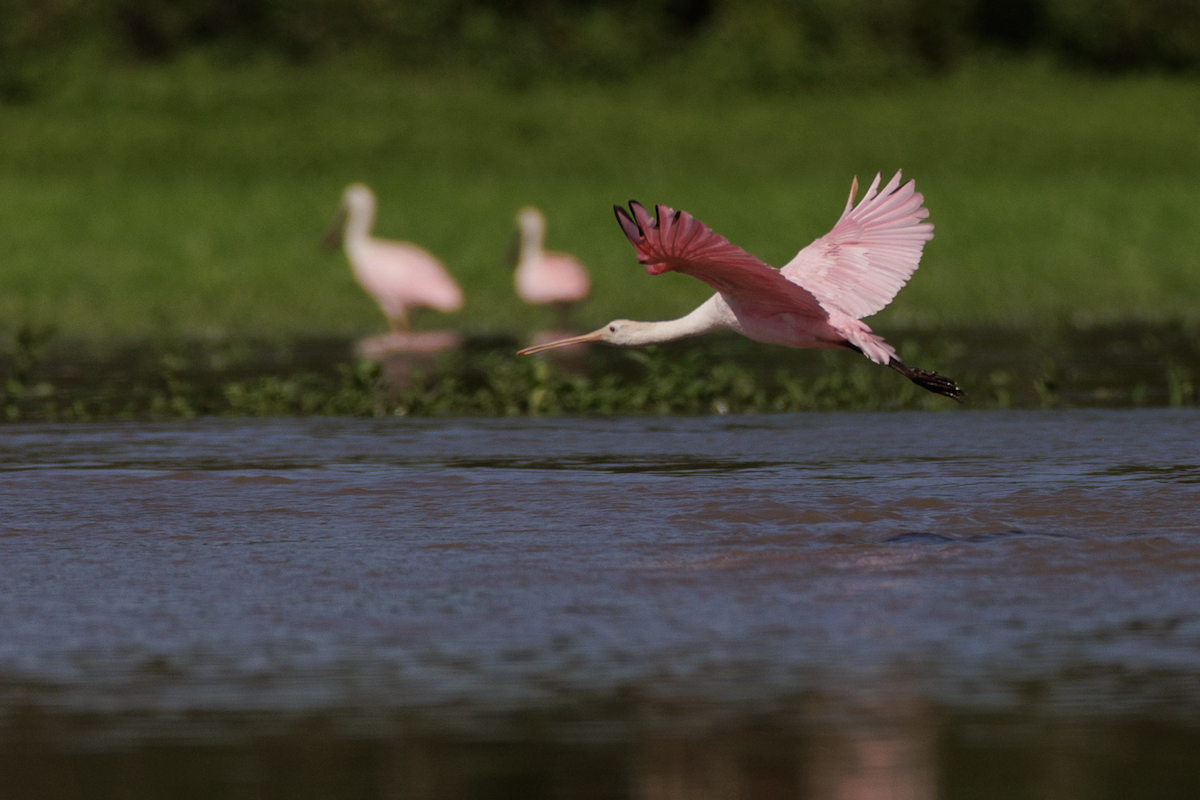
859 266
676 241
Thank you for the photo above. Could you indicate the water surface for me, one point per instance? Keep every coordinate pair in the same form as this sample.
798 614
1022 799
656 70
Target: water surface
470 605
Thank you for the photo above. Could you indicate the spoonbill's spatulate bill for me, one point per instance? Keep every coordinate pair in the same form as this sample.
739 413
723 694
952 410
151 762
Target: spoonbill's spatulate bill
545 278
816 300
398 275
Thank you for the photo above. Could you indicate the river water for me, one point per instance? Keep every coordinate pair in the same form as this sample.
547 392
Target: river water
903 605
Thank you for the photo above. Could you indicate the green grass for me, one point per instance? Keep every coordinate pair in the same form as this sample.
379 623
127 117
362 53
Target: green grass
188 199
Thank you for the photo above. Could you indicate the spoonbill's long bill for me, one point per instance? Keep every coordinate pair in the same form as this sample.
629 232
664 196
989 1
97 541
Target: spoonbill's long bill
556 279
816 300
398 275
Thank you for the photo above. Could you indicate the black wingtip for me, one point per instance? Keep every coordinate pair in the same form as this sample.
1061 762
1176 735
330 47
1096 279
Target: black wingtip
653 220
629 226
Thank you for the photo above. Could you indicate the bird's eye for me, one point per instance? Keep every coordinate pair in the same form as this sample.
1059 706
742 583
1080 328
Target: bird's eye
612 328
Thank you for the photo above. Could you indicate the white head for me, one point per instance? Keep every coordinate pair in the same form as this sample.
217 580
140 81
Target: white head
357 210
359 200
531 222
619 332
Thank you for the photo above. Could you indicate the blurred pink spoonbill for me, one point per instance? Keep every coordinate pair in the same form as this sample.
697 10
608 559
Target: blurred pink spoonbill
399 276
555 279
817 300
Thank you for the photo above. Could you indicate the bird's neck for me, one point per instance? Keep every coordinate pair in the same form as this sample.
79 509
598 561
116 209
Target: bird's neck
359 222
712 315
531 243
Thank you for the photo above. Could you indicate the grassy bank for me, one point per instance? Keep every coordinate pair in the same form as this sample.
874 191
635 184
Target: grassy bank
187 199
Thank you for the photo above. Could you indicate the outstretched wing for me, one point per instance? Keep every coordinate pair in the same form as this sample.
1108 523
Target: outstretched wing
678 241
872 251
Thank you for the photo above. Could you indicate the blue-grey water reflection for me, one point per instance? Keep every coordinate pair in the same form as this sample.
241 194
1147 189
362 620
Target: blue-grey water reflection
817 605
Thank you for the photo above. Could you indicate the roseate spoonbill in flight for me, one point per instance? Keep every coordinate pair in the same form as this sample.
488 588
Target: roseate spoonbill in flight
399 276
816 300
556 279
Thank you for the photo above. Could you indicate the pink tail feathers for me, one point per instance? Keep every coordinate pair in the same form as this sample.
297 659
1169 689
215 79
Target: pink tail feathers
862 337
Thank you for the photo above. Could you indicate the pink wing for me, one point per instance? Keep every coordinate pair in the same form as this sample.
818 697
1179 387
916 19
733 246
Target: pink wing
872 251
678 241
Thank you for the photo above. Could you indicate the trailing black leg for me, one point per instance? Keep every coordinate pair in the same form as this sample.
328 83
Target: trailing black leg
928 380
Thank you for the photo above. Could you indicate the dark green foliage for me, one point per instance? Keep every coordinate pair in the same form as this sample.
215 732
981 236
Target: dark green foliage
760 43
773 44
1122 34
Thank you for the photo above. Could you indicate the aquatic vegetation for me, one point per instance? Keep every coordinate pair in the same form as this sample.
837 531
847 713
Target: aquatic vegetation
51 379
1181 385
489 382
498 384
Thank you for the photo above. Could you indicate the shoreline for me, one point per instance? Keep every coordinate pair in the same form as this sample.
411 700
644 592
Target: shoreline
61 378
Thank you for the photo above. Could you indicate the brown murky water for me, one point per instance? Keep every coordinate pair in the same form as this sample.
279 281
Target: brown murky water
907 605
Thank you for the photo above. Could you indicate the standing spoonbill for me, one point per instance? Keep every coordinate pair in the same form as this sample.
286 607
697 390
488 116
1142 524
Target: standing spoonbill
816 300
555 279
398 275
